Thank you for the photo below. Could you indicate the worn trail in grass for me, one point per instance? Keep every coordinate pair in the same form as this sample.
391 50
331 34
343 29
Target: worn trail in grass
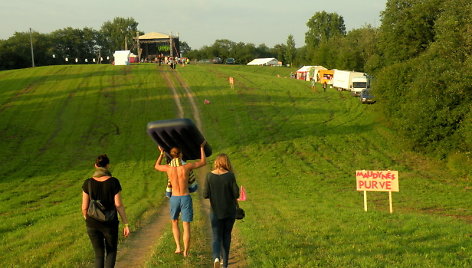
294 150
200 253
50 133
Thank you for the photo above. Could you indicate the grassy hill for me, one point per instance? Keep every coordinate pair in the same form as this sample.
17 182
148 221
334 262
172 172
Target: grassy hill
294 149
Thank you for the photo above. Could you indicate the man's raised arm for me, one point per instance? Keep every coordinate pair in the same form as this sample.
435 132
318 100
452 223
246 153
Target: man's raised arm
202 161
158 165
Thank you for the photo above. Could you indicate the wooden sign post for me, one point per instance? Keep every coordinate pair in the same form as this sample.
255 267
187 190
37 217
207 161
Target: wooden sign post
377 181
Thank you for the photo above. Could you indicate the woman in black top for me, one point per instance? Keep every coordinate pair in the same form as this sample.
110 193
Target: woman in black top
104 235
222 190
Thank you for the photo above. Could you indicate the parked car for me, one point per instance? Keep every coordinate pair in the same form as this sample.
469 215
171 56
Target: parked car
366 97
230 61
204 61
217 60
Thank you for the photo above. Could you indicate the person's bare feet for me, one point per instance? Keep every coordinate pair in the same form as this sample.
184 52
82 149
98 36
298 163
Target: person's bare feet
185 253
178 251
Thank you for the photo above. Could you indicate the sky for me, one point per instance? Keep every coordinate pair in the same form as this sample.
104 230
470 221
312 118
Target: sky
197 22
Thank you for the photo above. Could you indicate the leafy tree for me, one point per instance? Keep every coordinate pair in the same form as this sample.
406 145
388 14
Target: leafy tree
223 48
15 52
427 97
245 52
119 33
76 43
263 51
353 51
290 51
454 31
346 56
324 54
301 57
322 26
184 48
279 50
407 28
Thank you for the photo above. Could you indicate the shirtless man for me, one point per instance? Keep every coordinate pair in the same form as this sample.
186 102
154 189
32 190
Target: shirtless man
180 201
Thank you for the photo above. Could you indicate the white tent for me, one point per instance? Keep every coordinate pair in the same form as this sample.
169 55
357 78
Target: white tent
314 72
122 57
304 73
265 62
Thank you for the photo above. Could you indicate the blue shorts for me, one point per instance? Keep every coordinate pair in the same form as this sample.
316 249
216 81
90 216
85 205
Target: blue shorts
181 204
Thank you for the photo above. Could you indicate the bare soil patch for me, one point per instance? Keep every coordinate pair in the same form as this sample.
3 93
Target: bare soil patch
138 248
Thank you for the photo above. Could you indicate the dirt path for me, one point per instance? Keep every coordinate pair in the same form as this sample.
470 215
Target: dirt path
139 247
237 254
135 251
175 94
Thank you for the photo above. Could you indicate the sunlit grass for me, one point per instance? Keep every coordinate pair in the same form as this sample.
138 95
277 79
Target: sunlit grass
50 136
294 149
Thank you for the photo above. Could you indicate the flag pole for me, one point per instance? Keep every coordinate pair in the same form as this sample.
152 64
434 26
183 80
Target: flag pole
31 42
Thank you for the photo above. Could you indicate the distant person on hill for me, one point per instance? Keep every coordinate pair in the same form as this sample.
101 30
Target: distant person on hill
104 235
223 191
325 85
180 201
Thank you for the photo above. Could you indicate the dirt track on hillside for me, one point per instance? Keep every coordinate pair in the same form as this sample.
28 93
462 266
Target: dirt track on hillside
139 247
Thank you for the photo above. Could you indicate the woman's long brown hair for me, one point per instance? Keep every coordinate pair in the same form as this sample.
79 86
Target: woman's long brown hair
222 161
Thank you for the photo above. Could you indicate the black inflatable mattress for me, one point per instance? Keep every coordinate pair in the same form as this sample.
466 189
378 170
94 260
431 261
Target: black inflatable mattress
180 133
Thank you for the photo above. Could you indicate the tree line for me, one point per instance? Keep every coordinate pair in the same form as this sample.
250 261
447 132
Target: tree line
68 43
423 75
419 58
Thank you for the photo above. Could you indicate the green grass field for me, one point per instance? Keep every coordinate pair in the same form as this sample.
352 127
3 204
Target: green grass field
294 149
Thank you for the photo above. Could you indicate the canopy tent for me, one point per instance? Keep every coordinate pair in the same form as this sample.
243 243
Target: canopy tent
153 44
304 73
133 58
314 72
325 76
265 62
121 57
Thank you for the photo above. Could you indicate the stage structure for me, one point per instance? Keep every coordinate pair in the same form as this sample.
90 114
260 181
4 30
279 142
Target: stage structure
153 44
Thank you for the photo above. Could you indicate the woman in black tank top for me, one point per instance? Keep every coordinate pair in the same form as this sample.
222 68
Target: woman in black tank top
104 235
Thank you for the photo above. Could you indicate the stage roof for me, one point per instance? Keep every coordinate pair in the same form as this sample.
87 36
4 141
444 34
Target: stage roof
153 35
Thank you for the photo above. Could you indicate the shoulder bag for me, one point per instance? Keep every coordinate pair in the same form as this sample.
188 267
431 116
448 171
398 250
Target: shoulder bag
240 214
96 210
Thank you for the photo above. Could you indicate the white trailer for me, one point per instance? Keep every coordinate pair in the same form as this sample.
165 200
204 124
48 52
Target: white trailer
360 84
352 81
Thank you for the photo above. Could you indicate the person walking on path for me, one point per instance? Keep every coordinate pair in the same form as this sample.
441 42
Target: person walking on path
104 235
221 188
175 161
180 201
